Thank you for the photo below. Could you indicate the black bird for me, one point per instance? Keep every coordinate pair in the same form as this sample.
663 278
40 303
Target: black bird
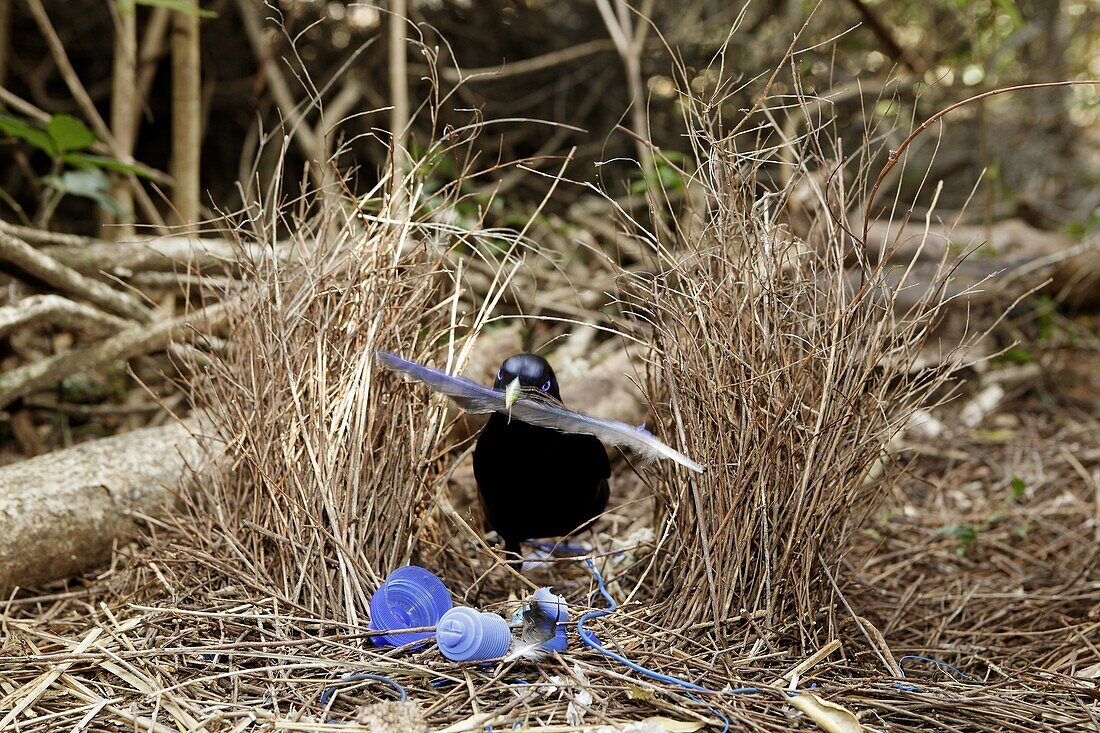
541 468
536 481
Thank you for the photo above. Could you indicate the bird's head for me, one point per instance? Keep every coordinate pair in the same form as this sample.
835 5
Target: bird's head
526 372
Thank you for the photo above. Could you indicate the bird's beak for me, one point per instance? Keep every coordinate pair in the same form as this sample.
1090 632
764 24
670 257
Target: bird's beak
511 393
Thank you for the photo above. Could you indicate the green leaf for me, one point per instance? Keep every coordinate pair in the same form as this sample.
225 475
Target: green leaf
967 534
1019 486
1008 7
180 5
86 160
28 132
1017 355
89 183
69 133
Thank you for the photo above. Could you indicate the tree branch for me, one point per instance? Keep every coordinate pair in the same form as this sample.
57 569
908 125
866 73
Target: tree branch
130 343
280 90
399 98
186 115
17 252
123 102
80 94
152 47
886 36
58 311
125 258
525 66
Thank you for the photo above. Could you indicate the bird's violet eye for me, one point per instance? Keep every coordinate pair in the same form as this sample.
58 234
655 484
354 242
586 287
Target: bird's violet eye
500 375
545 386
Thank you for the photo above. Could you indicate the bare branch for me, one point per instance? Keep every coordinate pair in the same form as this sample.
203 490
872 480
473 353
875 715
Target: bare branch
303 134
122 259
80 94
123 102
34 235
17 252
68 73
528 65
152 47
399 90
126 345
186 115
58 311
893 46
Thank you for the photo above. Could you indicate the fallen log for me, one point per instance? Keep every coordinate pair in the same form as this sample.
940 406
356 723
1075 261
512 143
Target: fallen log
64 512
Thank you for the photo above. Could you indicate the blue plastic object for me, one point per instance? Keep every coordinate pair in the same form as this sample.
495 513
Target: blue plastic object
331 690
464 635
411 597
557 610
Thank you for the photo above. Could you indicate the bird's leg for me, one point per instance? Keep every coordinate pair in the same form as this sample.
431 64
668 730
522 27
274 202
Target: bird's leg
513 548
594 541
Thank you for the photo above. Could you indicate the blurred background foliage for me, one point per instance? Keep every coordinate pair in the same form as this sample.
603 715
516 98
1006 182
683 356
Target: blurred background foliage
549 72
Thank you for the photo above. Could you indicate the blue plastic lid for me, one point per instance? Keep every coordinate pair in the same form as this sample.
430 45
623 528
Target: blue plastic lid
557 610
410 597
464 635
552 605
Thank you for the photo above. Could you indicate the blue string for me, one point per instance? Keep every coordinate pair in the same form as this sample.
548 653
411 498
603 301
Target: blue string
716 711
907 688
959 674
590 640
330 691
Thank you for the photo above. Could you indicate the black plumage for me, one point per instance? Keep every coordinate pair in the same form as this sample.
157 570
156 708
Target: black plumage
537 481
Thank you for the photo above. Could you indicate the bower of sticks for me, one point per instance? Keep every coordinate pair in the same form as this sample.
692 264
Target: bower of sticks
897 528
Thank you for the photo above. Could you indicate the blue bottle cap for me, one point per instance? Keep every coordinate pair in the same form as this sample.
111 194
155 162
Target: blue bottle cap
410 597
464 635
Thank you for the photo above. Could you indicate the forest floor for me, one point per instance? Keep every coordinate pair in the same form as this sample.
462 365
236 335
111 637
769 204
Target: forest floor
970 602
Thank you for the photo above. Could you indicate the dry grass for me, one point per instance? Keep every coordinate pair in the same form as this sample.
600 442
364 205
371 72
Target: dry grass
334 473
766 365
785 374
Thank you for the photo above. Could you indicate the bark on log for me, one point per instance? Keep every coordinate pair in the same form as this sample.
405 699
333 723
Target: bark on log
124 258
62 513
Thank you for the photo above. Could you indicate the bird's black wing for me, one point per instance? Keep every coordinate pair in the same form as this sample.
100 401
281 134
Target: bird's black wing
474 397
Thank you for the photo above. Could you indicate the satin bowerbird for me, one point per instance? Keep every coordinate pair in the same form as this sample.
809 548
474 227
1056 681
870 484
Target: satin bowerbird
541 468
